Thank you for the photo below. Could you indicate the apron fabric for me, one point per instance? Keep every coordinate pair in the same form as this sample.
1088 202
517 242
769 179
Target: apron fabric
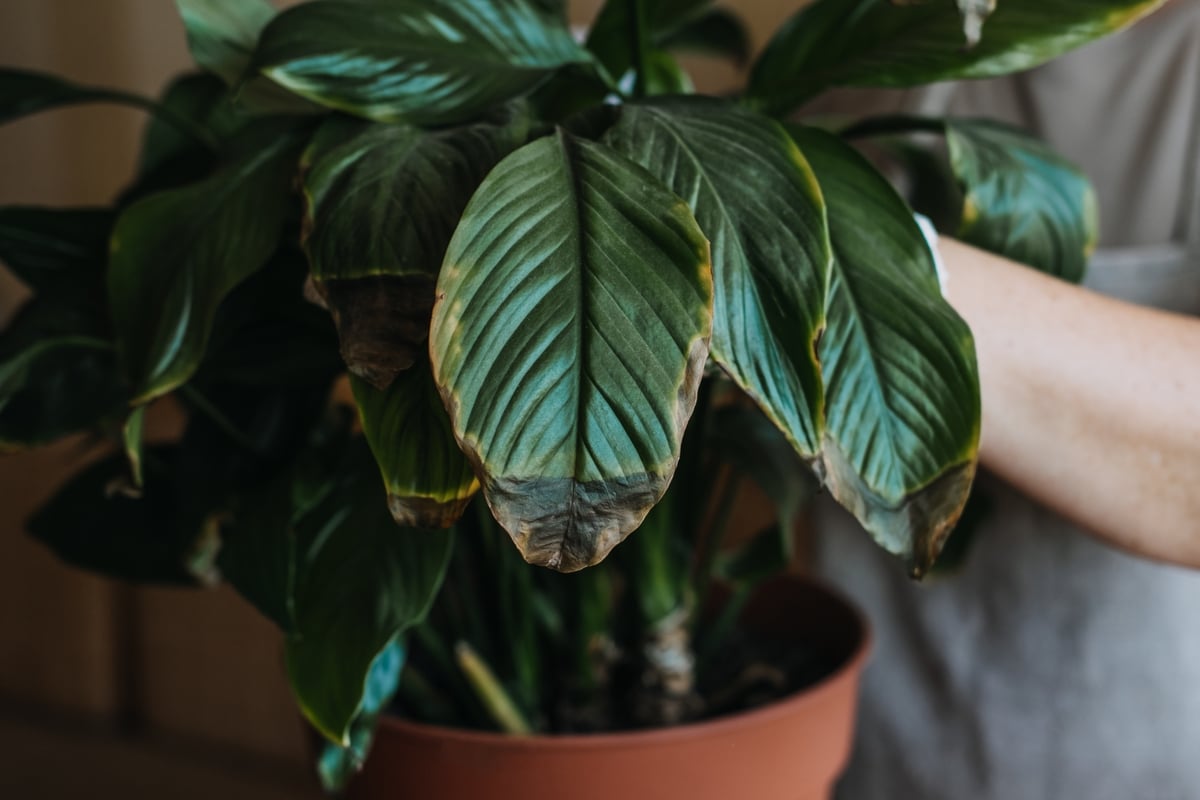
1051 665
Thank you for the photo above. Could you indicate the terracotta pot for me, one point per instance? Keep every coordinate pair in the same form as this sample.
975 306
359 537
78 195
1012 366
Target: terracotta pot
793 749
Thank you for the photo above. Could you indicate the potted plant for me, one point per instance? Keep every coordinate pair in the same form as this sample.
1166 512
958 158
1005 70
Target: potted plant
575 300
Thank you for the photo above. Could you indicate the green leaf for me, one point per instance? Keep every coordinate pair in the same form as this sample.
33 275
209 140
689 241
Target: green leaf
718 32
131 435
54 247
422 61
568 342
258 551
23 92
1022 200
665 76
360 582
610 38
884 43
176 254
221 34
93 524
762 557
429 480
381 204
58 374
337 765
1018 197
757 200
902 390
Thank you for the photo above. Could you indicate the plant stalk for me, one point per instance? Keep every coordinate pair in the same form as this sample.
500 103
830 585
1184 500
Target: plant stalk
639 41
496 700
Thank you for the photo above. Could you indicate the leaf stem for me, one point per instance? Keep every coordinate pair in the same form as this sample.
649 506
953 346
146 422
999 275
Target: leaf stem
715 534
184 126
639 42
499 704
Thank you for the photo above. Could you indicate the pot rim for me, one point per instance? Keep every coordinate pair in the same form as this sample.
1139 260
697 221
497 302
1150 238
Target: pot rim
788 705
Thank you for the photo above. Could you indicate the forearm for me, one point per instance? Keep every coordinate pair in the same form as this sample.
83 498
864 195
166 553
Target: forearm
1090 405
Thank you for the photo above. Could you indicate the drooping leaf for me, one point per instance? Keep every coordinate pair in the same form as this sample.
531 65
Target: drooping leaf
571 329
421 61
91 523
221 34
1018 198
1021 199
381 204
176 254
337 765
718 32
54 247
755 197
23 92
360 582
429 480
58 373
902 390
885 43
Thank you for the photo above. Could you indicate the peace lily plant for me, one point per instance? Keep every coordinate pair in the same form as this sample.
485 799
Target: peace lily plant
576 301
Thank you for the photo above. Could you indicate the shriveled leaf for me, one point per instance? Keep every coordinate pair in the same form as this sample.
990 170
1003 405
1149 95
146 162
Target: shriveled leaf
429 480
422 61
360 582
718 32
381 204
176 254
54 247
757 200
221 34
902 390
572 325
885 43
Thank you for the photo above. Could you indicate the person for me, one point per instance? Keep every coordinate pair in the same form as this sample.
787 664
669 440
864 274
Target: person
1062 660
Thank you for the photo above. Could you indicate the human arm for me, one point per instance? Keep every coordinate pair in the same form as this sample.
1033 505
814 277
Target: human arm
1090 405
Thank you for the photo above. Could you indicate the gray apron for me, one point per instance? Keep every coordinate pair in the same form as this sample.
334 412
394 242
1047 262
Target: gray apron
1051 665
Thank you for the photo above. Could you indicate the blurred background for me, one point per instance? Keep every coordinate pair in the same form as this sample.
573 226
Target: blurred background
109 690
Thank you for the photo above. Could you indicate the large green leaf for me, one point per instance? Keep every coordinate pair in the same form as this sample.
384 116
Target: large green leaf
572 325
885 43
360 581
382 202
176 254
424 61
757 200
718 32
222 33
902 391
428 479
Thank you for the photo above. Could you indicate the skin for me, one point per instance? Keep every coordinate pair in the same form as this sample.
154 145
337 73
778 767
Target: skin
1090 404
